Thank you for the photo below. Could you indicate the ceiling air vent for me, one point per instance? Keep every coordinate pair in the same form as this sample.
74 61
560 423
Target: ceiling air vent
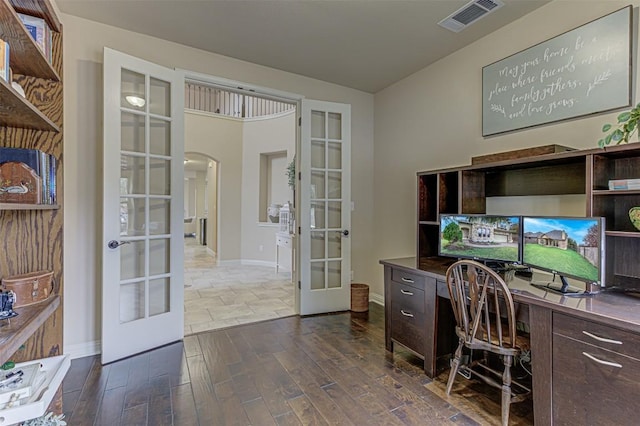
469 13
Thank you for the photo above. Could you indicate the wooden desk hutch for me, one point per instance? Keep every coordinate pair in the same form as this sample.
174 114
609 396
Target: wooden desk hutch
585 351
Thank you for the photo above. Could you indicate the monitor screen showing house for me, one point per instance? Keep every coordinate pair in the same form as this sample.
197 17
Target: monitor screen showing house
480 237
570 247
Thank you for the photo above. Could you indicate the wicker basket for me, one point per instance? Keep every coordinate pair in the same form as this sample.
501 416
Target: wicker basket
359 297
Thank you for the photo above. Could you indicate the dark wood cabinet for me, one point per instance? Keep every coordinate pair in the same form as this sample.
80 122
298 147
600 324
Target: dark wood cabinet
416 317
595 373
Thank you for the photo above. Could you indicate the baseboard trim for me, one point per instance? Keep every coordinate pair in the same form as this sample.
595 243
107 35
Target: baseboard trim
376 298
82 350
247 262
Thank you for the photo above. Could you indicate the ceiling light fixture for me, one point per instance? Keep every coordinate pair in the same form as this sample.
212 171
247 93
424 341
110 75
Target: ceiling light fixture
135 100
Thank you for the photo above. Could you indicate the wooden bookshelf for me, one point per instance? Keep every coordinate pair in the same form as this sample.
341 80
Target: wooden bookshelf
19 206
16 111
25 56
14 332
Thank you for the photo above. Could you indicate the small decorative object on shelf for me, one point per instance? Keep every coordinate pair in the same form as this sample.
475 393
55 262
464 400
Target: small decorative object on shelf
634 215
18 166
40 32
273 211
286 218
7 300
29 288
616 184
19 183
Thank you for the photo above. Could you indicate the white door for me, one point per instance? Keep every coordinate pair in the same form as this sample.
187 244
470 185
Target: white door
142 277
325 207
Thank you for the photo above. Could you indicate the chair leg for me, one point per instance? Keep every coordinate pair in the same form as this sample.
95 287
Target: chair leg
455 366
506 389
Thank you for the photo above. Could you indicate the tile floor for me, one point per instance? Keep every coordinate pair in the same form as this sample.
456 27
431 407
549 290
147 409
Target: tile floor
227 295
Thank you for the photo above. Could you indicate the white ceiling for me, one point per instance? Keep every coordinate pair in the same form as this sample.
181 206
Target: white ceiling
362 44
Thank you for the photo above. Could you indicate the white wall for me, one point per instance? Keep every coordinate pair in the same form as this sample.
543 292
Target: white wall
83 49
262 136
212 218
432 120
221 139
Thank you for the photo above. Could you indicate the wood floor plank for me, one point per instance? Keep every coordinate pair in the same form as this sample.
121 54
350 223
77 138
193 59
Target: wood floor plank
78 373
111 407
288 419
306 379
166 360
306 412
258 413
230 404
160 410
135 416
275 386
183 406
351 407
245 387
192 346
324 369
294 360
118 375
137 388
88 404
216 364
207 406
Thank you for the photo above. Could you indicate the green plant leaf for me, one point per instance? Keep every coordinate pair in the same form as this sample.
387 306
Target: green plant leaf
601 143
606 127
607 140
617 135
625 116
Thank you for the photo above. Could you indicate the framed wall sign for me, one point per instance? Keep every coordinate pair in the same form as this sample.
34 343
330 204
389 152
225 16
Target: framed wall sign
584 71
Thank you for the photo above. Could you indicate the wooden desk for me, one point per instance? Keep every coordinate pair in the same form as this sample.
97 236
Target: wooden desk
569 387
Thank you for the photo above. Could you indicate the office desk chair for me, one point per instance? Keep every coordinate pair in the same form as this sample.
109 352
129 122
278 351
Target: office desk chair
485 320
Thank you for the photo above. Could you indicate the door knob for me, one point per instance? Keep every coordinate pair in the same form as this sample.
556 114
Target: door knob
113 244
345 232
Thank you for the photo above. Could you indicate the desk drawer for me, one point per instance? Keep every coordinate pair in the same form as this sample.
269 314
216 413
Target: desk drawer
600 335
587 390
409 298
407 328
407 278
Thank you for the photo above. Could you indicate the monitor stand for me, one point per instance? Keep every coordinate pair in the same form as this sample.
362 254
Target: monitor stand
564 289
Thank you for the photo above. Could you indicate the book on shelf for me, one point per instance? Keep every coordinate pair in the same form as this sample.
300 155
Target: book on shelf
25 172
622 184
39 31
5 71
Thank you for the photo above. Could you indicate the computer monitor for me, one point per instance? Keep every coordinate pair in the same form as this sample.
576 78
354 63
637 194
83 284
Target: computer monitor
570 247
481 237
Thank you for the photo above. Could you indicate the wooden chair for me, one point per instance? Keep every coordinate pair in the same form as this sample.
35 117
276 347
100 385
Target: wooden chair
485 321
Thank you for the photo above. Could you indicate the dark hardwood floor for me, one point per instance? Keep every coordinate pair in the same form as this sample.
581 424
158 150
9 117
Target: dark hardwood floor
326 369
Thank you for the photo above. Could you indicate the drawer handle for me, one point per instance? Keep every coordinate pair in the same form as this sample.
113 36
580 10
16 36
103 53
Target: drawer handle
408 293
407 280
599 361
406 314
602 339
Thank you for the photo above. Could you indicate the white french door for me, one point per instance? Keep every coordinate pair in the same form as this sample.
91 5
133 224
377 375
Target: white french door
325 207
142 277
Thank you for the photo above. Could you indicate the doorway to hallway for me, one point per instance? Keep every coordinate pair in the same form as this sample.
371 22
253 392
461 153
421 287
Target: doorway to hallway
224 295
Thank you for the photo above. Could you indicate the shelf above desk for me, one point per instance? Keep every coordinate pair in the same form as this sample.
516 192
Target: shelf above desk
15 331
